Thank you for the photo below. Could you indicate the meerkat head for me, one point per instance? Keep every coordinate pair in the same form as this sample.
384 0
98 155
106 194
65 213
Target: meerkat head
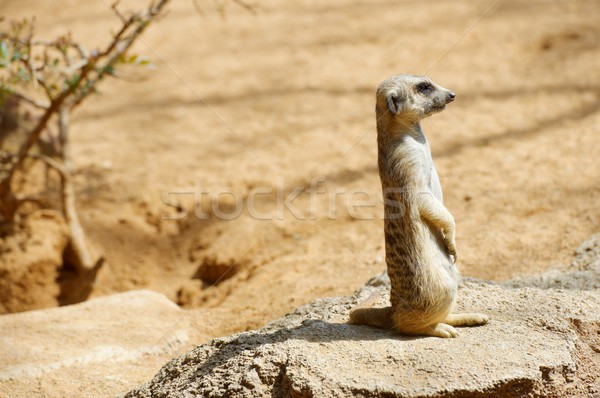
411 98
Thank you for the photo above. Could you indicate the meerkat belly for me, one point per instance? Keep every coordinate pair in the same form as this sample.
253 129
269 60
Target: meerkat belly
422 276
442 273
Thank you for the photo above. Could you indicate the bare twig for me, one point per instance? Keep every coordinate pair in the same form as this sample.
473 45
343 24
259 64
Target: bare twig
82 259
251 8
31 101
49 162
34 134
28 61
121 43
197 7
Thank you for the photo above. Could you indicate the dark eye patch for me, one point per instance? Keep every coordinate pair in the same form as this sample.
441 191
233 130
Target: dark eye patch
425 87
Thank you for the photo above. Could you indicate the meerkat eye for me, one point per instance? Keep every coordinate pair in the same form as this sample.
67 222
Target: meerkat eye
424 87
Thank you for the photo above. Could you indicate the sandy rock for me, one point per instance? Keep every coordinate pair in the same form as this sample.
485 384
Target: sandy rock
98 348
539 342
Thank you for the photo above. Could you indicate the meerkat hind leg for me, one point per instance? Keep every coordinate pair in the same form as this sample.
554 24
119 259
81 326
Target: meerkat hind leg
363 314
469 319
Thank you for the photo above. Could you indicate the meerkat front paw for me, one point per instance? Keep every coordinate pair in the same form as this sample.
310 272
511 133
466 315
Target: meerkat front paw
451 246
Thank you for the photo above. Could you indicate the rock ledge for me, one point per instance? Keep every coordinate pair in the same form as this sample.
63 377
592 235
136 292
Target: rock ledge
540 343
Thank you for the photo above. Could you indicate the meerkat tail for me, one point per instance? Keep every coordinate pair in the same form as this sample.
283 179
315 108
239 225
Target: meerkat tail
376 317
363 314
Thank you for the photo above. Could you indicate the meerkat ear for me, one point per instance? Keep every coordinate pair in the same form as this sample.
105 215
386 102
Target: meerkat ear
394 101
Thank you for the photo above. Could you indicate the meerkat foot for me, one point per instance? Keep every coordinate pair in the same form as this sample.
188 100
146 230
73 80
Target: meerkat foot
441 330
466 319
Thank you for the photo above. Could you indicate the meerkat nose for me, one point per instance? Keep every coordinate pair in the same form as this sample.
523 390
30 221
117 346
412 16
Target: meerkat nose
451 96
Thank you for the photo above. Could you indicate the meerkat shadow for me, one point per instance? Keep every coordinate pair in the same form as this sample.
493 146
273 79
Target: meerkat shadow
319 330
309 331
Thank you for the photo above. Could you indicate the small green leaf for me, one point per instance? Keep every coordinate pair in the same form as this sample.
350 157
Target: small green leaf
3 51
72 81
141 60
109 70
16 56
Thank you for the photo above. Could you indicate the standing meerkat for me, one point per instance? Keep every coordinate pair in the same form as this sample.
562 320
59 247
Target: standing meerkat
419 231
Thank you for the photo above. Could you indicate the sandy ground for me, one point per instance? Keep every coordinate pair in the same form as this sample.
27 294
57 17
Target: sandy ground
249 109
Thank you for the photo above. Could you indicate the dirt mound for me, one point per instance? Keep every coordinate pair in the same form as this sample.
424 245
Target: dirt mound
31 259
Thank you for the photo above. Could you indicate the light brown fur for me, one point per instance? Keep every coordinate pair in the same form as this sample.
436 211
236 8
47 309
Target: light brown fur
419 230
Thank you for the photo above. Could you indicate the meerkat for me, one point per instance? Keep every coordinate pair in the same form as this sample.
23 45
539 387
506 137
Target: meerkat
419 231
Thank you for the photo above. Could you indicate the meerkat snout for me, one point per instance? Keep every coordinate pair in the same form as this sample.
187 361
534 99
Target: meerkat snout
451 97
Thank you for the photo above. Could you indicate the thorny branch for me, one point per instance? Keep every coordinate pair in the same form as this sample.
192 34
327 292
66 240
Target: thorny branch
56 76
